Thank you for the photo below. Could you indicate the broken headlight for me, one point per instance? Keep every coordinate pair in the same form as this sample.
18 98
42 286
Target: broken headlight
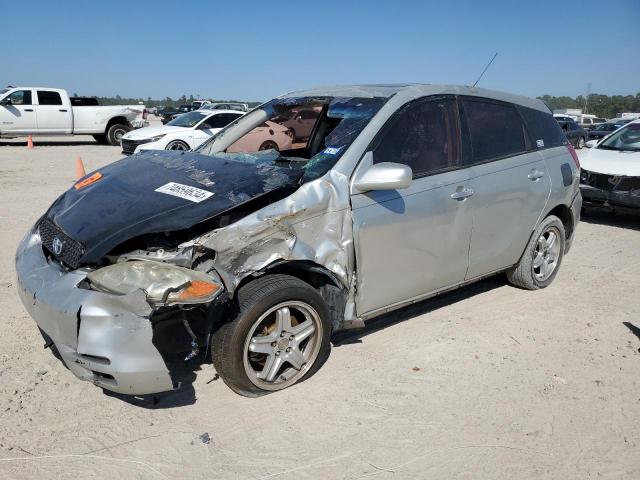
163 283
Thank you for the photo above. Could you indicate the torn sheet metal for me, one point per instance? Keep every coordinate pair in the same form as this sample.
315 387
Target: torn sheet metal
314 224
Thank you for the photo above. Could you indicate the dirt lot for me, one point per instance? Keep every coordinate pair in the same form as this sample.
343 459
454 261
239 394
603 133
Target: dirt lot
487 382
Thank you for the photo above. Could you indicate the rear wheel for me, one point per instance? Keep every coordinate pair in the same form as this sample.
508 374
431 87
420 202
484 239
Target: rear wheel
280 335
269 145
101 139
116 132
541 260
177 145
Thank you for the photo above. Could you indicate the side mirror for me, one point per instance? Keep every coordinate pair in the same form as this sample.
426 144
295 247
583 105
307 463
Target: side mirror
384 176
591 143
5 101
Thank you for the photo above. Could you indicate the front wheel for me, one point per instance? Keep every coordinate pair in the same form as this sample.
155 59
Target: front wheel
541 259
116 132
280 335
177 145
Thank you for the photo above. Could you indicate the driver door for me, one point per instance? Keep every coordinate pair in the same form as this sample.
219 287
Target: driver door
414 241
19 115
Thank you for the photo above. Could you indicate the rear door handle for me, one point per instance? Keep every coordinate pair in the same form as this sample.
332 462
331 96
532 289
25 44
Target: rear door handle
535 174
62 110
462 193
28 109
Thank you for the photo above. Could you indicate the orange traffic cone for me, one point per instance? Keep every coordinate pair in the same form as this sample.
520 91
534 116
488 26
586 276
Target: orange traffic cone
80 169
30 143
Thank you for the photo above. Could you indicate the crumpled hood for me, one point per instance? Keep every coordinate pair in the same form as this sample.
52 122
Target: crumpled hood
611 162
124 203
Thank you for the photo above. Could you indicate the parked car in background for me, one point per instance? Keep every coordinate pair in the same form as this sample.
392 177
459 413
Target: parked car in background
185 132
591 122
50 111
167 113
610 175
606 128
182 109
564 118
574 132
259 256
243 107
300 122
267 136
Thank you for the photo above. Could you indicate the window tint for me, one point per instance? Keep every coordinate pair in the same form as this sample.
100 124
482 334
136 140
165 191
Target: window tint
496 129
543 128
424 136
49 98
221 120
21 97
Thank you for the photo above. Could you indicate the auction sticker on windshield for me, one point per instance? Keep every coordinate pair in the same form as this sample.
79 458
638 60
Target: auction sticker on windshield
192 194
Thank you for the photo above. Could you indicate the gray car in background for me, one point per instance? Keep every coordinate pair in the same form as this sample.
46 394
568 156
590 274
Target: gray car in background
398 193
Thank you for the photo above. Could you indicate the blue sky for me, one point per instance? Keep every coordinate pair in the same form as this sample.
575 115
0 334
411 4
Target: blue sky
254 50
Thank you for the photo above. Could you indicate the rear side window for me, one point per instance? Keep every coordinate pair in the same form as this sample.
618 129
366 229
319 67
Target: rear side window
543 128
496 129
49 98
424 136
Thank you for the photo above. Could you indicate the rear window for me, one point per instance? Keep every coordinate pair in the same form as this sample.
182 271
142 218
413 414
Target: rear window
543 128
496 129
49 98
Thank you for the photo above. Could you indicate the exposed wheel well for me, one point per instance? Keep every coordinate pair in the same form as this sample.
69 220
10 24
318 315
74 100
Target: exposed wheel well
333 292
566 216
115 120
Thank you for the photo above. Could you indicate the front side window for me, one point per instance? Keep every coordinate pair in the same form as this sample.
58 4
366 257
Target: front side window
423 135
220 120
49 98
20 97
187 119
496 129
625 139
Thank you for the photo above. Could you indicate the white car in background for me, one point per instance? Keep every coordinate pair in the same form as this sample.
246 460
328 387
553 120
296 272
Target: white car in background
185 132
610 171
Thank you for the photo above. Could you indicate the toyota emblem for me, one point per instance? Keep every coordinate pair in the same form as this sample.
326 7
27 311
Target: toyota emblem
57 245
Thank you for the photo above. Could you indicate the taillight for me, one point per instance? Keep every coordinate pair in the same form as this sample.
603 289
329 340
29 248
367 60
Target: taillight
573 153
145 113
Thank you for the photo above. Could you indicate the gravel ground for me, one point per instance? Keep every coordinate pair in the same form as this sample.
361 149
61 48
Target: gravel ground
486 382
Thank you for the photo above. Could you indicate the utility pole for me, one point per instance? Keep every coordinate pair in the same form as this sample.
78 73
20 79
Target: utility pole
586 98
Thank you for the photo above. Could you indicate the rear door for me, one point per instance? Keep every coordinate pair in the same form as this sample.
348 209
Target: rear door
414 241
17 113
54 115
510 181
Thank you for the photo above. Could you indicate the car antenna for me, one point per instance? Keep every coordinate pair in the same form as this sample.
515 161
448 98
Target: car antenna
485 69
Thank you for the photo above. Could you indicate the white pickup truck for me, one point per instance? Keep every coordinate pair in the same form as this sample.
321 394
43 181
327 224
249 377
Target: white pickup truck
50 111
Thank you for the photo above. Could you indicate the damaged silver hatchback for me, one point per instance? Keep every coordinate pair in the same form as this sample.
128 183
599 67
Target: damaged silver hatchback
313 213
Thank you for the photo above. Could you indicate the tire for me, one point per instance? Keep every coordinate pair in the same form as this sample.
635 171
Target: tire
101 139
115 133
245 347
531 272
581 142
269 145
177 145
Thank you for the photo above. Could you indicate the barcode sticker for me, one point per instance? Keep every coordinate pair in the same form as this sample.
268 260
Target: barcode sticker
192 194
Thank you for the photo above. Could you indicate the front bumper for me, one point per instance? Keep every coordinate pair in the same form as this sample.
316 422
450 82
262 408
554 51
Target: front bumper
104 339
610 199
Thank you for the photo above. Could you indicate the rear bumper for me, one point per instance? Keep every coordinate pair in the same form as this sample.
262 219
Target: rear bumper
576 207
104 339
610 199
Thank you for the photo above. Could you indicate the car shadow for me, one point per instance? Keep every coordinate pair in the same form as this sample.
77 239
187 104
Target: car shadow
610 219
183 373
347 337
48 143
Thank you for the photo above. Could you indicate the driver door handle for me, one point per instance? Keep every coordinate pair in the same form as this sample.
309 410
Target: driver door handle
28 109
461 194
535 174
